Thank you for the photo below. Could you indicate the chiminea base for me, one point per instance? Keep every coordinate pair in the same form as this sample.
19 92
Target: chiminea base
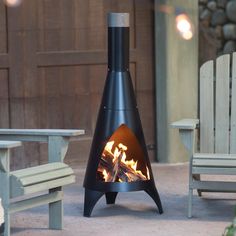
111 197
92 197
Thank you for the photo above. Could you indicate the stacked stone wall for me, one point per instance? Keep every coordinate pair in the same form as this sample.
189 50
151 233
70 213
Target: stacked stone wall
217 28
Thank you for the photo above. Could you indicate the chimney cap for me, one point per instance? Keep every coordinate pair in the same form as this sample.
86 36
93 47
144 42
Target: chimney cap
118 19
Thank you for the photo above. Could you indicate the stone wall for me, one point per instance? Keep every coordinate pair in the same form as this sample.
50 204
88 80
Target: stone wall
217 28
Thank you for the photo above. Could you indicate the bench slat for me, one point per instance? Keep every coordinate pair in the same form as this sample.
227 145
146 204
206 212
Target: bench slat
40 178
220 163
207 107
216 185
222 104
38 169
46 176
35 201
18 190
214 170
49 185
214 155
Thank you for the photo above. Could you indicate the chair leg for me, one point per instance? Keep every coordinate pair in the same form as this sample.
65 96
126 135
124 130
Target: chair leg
56 212
190 202
198 178
199 192
2 229
5 194
6 223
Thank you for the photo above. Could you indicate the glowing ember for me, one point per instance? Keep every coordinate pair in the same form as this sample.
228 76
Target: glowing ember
115 167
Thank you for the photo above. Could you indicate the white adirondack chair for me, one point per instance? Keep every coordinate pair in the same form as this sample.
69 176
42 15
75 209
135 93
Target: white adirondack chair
50 177
217 125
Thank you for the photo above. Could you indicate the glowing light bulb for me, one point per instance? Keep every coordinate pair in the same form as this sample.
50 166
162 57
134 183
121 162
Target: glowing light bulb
187 35
184 26
12 3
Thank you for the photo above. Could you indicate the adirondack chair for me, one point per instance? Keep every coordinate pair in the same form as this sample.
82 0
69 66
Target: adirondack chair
50 177
217 125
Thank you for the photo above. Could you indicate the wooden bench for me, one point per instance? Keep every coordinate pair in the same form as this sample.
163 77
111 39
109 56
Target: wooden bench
49 177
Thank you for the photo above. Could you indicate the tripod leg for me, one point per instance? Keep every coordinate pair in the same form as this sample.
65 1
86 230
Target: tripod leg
152 192
90 199
111 197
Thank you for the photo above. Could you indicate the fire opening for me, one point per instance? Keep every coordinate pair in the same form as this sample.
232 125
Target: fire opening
122 159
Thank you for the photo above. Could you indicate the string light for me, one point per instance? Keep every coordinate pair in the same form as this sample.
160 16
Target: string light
184 26
12 3
183 23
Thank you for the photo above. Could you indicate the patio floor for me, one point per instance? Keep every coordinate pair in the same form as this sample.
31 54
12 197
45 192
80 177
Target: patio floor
135 213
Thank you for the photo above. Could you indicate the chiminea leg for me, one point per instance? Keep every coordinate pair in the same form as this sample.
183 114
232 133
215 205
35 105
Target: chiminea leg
90 199
152 192
111 197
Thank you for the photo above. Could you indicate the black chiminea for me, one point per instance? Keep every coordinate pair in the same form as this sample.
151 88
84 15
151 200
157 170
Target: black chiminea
118 159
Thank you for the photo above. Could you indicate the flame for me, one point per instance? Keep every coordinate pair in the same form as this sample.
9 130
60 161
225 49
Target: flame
148 174
119 152
105 175
109 146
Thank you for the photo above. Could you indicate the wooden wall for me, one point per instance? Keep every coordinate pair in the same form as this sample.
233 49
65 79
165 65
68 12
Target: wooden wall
53 56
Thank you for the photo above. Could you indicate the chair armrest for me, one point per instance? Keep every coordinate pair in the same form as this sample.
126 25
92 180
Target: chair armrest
9 144
5 154
44 132
57 139
37 135
187 124
187 132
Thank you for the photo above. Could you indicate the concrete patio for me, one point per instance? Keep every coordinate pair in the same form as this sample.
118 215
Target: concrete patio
135 213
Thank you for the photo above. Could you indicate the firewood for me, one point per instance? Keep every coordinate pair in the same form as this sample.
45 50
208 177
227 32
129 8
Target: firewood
125 173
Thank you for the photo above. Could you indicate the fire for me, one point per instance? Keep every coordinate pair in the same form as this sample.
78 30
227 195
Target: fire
116 167
148 174
105 175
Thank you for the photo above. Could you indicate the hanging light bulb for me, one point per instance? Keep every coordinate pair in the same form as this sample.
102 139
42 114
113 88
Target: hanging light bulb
12 3
183 23
184 26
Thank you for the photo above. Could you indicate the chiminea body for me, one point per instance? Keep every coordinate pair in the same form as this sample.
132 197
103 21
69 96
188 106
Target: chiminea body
118 160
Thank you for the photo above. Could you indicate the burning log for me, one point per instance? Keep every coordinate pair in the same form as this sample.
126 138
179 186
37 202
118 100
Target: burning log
114 167
117 161
124 174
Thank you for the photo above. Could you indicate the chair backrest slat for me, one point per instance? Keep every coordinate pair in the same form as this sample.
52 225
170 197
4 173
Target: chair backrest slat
207 108
233 108
222 104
